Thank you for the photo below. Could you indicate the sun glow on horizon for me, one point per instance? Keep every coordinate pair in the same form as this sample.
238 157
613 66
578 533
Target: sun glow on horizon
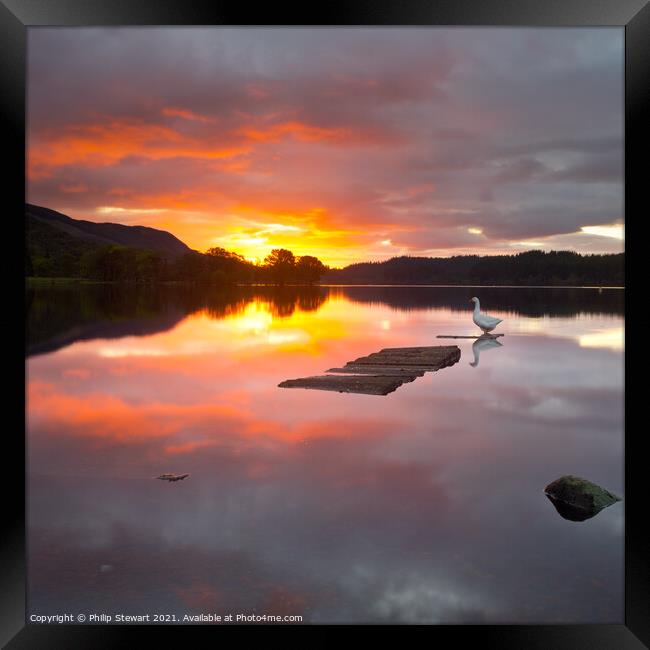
254 232
309 232
615 231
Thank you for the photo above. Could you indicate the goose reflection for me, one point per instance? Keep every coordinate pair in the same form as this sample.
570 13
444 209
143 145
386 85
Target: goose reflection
482 343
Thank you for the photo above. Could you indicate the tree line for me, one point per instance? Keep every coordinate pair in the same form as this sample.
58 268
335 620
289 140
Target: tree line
113 263
533 268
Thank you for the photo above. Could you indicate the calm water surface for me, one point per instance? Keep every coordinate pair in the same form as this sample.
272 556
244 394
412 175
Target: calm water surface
425 505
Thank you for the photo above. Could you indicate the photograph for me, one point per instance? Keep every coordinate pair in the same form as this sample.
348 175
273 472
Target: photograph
325 325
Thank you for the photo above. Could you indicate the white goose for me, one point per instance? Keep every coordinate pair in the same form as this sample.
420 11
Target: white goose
485 322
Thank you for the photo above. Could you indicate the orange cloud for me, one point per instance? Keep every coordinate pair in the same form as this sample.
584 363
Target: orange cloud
100 144
298 130
103 143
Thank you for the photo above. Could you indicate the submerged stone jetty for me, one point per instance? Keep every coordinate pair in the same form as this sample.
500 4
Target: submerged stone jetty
380 373
577 499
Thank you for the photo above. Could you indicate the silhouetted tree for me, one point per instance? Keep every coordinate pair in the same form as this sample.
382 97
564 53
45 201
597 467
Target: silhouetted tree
227 267
281 264
309 269
218 252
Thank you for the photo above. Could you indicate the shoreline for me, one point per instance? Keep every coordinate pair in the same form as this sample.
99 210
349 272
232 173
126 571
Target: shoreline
36 282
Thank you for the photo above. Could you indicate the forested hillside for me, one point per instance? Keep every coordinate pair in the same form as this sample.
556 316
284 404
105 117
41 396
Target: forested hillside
529 268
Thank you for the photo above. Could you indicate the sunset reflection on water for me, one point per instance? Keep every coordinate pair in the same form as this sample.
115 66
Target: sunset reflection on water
424 505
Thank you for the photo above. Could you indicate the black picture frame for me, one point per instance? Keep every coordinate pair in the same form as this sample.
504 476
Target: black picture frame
16 16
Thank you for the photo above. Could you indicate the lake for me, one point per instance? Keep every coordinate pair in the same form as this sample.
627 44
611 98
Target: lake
425 505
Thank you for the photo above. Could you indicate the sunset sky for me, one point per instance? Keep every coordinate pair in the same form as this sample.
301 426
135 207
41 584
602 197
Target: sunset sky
348 144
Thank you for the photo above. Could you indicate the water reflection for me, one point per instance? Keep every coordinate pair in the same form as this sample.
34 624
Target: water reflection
57 317
483 343
612 338
571 512
310 502
526 301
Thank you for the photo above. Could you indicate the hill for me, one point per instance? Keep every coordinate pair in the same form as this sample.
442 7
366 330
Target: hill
106 233
532 268
59 246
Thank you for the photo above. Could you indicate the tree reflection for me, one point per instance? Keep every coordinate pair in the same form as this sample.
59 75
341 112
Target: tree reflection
58 317
527 301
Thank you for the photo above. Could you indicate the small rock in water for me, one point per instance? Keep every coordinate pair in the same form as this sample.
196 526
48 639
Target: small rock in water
577 499
106 568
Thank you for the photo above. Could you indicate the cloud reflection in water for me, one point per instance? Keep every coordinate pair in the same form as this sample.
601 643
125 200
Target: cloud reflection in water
428 509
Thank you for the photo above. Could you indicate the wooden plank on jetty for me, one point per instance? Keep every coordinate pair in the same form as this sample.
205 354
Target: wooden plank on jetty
386 371
360 384
431 358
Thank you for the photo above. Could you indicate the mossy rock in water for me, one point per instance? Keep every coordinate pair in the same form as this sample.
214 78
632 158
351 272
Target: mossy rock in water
577 499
